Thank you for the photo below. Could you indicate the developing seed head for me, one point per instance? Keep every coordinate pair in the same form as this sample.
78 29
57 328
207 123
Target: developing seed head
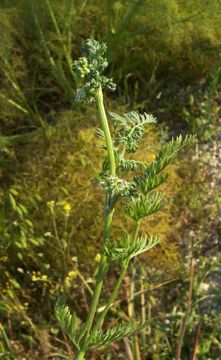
80 66
91 67
92 48
116 186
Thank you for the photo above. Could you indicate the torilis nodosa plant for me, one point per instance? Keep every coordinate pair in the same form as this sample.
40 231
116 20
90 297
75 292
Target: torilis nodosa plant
139 199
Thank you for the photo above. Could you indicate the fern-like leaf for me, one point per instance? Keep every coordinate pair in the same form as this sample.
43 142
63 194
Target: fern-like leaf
141 245
129 128
124 249
144 205
68 321
167 154
147 184
116 333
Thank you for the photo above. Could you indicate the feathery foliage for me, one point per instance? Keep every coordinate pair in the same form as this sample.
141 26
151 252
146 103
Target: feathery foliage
68 321
147 184
129 128
124 249
115 334
167 154
144 205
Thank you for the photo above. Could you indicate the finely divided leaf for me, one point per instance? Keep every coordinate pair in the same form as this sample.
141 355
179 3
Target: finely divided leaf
142 244
174 146
147 184
132 118
116 333
144 205
124 249
68 321
167 154
129 128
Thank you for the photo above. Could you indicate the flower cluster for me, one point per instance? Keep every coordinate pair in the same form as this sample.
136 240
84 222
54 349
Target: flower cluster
115 186
91 67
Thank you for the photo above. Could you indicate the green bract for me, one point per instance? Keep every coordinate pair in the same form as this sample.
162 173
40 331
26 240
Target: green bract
91 67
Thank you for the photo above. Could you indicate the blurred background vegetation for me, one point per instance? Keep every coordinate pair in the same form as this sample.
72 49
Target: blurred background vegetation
165 57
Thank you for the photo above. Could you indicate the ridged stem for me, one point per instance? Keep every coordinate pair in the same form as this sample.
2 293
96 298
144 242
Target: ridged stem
108 214
110 300
106 130
80 355
115 289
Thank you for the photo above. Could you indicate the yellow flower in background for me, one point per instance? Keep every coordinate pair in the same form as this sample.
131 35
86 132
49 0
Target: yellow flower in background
97 258
67 208
69 278
37 276
72 274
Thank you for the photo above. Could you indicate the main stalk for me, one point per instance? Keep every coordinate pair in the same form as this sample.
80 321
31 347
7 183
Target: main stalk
108 214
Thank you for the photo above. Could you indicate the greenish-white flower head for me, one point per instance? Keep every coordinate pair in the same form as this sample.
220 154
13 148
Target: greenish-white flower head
91 67
116 186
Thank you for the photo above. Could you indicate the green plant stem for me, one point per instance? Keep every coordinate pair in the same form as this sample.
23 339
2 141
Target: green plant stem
131 311
80 355
106 130
115 289
99 283
135 343
108 214
110 300
103 266
137 229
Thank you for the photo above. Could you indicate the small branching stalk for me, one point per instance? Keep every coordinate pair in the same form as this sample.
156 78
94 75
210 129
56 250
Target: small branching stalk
139 198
